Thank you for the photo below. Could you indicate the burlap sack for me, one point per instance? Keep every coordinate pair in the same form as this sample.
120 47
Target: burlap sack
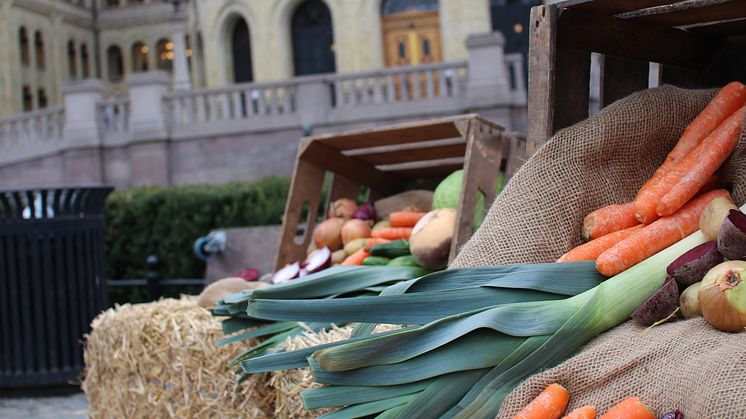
600 161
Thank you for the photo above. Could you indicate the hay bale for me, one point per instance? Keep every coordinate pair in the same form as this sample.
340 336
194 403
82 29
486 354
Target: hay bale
287 385
161 360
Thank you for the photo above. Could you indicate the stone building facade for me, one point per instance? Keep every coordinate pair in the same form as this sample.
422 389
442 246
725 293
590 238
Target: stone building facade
49 42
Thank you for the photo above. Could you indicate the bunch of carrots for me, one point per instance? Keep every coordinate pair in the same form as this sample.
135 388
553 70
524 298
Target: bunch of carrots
400 225
668 206
552 402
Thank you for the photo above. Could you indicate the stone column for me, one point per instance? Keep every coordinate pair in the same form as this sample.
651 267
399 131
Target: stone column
81 142
313 101
182 81
488 80
148 139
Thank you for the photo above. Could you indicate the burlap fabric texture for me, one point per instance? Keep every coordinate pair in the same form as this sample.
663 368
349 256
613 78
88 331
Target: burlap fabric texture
683 365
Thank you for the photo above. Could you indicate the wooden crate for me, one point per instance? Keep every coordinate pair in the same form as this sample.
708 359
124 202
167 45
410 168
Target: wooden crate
697 43
392 159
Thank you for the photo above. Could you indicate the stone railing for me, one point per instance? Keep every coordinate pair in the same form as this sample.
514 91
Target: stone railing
31 132
113 116
399 84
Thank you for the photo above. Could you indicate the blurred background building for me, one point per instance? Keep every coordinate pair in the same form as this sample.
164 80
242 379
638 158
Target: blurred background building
274 69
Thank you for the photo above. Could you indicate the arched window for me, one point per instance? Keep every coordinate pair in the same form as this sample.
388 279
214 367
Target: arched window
27 99
23 45
39 47
313 39
41 98
72 61
114 63
165 50
85 61
240 51
139 57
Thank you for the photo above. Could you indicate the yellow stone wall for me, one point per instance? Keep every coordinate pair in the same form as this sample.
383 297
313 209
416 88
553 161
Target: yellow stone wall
356 25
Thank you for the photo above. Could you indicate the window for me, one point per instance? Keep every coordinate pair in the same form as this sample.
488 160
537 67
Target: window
140 57
114 63
84 61
23 45
165 50
241 52
41 98
313 39
28 101
39 47
72 64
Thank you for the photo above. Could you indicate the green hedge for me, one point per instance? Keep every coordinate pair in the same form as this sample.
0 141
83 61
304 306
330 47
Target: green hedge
165 221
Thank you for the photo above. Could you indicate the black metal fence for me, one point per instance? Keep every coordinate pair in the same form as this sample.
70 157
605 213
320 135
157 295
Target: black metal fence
51 287
154 281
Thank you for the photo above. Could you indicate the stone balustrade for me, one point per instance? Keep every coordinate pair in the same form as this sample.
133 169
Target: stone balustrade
160 135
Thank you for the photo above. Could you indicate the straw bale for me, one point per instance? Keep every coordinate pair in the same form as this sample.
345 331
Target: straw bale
287 385
161 360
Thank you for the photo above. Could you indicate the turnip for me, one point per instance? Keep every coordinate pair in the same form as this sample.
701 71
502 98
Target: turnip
431 238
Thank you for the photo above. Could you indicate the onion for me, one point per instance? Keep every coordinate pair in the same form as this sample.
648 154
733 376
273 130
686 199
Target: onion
287 273
249 274
343 208
689 301
355 229
329 234
365 212
317 261
722 296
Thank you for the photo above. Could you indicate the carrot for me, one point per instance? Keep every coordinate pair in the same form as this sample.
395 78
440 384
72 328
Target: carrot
392 233
702 163
404 218
728 100
609 219
656 236
591 250
374 241
629 408
585 412
731 97
356 258
549 404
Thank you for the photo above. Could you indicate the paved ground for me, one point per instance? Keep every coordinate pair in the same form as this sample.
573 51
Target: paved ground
73 406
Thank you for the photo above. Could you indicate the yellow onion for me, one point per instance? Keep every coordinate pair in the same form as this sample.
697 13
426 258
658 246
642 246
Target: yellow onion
722 296
343 208
329 233
355 229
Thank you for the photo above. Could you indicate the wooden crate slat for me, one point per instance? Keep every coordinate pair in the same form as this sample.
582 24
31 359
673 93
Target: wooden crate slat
428 172
572 77
722 28
621 77
630 39
687 13
541 69
414 154
612 7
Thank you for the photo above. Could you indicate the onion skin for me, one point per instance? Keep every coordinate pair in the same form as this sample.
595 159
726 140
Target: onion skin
329 233
355 229
343 208
722 296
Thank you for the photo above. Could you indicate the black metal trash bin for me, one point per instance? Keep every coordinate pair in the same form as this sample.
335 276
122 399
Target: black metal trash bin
51 281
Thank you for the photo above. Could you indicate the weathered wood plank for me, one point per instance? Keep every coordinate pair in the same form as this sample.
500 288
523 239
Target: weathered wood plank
414 153
621 77
572 77
687 13
612 7
541 66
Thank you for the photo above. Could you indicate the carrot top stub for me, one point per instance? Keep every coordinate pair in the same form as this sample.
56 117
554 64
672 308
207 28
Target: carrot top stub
549 404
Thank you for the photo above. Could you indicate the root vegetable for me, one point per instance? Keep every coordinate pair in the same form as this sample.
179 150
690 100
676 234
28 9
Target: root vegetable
355 245
355 229
287 273
692 266
430 242
732 236
714 215
722 296
365 212
689 301
329 233
660 305
339 256
318 260
381 224
343 208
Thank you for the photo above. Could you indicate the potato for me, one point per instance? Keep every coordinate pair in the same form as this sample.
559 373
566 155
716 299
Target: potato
431 238
713 216
338 256
224 287
355 245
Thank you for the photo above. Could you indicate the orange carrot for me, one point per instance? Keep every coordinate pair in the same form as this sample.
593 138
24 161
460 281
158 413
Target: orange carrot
549 404
629 408
356 258
392 233
374 241
731 97
656 236
404 218
591 250
609 219
585 412
728 100
702 163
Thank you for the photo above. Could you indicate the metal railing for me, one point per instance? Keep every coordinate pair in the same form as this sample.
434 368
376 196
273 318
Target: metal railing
154 281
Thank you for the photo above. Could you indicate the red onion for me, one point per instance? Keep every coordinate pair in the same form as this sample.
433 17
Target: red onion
365 212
